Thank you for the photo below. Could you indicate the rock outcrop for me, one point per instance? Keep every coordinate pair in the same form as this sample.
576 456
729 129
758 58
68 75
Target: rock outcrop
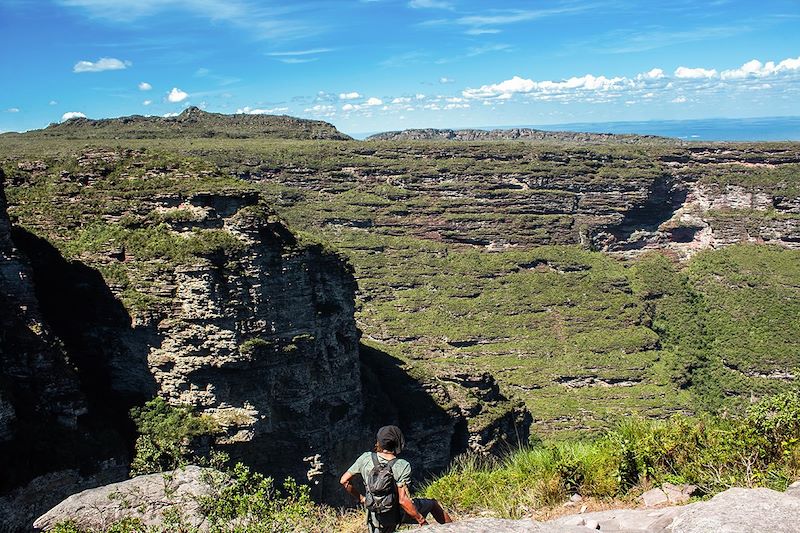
193 122
148 499
736 510
511 134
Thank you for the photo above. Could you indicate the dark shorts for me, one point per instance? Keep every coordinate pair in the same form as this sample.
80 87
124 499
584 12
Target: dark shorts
424 507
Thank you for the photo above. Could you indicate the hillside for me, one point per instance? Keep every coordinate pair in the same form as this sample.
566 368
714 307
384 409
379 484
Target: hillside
532 262
191 123
512 134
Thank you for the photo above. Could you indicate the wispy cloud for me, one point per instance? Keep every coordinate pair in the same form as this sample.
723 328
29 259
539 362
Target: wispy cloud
102 64
491 21
625 42
294 53
430 4
260 20
144 86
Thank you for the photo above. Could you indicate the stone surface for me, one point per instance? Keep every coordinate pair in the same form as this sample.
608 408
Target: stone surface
496 525
741 510
147 498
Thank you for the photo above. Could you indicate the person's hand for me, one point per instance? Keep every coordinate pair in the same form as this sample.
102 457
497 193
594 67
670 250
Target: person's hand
423 522
361 499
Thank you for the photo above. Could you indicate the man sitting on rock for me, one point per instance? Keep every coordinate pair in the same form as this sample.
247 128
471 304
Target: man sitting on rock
386 481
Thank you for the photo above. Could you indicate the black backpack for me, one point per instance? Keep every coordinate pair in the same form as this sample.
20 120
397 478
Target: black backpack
381 497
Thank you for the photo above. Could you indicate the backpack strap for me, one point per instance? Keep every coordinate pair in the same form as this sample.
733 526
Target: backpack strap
375 461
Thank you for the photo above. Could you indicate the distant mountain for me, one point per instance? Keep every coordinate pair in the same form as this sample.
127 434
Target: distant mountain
513 134
193 123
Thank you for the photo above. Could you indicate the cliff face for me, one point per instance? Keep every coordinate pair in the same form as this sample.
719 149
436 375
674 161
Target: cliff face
512 134
51 444
186 286
193 122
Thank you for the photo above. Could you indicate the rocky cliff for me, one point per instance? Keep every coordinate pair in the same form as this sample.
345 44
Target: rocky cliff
511 134
192 122
51 442
178 281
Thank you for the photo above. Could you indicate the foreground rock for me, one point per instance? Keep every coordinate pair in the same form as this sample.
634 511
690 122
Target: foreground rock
148 498
736 510
496 525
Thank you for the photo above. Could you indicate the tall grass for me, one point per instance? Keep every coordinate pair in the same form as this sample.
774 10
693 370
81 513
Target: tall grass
761 448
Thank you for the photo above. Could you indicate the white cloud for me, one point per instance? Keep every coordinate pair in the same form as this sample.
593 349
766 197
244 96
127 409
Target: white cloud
373 102
104 63
53 102
168 115
144 86
349 96
147 102
250 111
757 69
420 96
695 73
445 79
679 100
506 89
653 74
12 110
176 95
72 114
401 100
349 107
325 110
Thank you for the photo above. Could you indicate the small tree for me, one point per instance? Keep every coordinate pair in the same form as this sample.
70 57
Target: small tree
167 435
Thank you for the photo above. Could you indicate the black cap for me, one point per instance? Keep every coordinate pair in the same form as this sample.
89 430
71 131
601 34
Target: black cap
391 439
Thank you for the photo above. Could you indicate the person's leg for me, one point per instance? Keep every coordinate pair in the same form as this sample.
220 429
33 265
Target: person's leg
440 514
427 506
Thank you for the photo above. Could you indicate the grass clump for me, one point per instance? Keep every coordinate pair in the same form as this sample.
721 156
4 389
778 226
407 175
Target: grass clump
759 448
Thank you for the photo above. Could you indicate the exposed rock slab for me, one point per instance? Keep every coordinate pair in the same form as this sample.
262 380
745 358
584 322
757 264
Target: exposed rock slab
740 510
496 525
147 498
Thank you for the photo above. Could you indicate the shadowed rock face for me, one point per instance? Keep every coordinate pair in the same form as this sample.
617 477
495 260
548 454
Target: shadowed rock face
51 442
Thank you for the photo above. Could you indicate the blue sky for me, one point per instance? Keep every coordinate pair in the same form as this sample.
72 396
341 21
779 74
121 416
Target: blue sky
373 65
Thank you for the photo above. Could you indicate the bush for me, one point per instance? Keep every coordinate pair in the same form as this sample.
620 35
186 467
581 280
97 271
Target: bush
167 435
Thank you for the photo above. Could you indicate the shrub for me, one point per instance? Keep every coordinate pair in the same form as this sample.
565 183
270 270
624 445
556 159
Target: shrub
166 436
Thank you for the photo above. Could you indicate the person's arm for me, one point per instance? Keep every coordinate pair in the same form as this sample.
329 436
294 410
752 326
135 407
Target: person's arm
348 486
408 505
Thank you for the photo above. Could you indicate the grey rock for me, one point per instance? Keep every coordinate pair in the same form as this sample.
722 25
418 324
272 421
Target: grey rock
496 525
654 498
667 494
147 498
741 510
628 520
793 489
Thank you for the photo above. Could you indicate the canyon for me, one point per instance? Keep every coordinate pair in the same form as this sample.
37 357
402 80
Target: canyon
304 289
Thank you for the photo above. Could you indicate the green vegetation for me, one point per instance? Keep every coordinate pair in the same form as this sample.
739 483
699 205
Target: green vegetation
761 448
468 256
168 436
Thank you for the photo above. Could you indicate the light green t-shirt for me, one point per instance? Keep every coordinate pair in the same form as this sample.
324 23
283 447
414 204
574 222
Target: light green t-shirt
401 469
